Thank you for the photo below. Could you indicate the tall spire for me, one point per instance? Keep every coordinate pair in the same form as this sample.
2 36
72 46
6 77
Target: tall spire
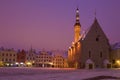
77 17
77 27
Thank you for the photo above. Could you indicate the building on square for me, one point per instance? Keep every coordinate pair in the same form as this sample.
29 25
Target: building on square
115 55
90 49
59 61
8 57
21 58
43 59
30 58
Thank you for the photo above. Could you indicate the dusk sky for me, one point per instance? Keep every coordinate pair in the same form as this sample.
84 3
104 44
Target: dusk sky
49 24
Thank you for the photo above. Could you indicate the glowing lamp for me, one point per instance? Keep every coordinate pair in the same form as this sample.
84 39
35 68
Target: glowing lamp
28 63
118 62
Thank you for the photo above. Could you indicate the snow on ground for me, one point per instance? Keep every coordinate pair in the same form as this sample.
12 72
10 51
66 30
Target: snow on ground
54 73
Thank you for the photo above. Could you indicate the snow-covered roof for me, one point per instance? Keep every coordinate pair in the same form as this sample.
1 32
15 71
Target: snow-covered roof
106 61
63 53
89 61
84 33
116 45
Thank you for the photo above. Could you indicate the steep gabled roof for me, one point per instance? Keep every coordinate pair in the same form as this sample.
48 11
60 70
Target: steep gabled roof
95 27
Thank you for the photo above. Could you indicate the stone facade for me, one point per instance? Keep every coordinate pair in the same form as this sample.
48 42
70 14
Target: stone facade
95 46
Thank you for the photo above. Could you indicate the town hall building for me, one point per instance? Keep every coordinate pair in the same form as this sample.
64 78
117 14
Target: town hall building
90 49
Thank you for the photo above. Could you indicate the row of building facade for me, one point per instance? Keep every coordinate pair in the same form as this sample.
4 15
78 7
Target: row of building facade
22 58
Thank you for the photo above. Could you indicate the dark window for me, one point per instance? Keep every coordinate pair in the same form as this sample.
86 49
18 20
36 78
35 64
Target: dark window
97 39
7 54
22 57
13 59
2 59
6 60
101 54
113 61
89 54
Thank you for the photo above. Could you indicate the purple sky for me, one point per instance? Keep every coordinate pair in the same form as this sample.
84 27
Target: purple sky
49 23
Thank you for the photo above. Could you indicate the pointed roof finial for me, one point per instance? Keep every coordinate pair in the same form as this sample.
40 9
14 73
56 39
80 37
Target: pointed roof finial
77 7
31 46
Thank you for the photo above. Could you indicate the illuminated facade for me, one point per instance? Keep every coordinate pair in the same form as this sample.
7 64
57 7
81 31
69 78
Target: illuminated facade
75 49
91 49
43 59
21 58
59 61
30 58
8 57
115 55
